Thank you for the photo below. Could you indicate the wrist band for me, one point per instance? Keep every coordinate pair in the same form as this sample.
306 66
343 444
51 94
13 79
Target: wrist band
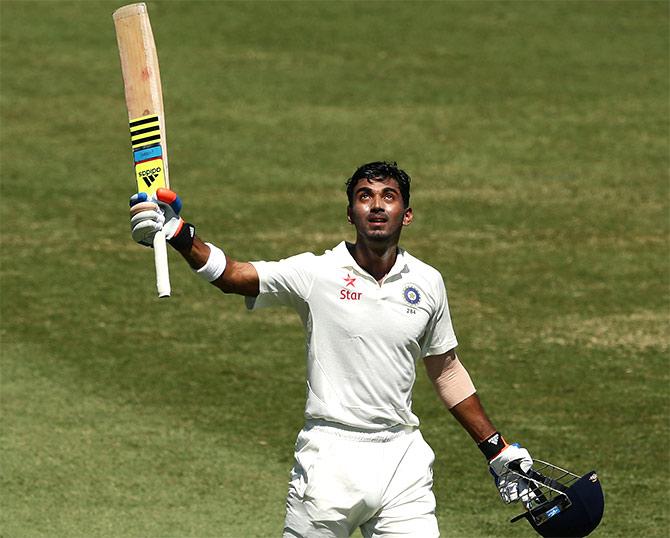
492 446
183 239
215 266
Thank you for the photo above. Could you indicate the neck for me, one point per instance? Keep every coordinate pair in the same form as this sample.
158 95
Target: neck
375 259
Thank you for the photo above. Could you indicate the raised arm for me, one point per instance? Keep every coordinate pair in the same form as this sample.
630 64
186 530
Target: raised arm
162 212
237 277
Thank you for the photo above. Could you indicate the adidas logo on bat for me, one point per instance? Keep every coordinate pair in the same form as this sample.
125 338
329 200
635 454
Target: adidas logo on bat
149 176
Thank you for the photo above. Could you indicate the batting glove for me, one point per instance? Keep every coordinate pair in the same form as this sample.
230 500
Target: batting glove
149 215
511 486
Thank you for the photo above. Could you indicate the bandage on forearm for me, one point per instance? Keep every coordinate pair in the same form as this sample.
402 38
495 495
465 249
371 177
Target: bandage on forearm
454 384
215 266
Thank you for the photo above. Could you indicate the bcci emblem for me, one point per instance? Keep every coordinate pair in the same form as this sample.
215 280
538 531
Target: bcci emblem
411 295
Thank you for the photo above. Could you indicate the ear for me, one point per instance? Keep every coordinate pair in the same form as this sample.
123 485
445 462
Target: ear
408 217
349 215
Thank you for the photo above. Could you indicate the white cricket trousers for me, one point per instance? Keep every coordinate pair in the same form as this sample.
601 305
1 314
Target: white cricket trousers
344 478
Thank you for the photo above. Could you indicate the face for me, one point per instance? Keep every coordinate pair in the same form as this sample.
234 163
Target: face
377 210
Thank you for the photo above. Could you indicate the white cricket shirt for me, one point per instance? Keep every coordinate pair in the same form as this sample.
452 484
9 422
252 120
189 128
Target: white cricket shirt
363 338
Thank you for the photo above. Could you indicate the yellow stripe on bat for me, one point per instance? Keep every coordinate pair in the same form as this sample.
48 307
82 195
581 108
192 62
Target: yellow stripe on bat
145 131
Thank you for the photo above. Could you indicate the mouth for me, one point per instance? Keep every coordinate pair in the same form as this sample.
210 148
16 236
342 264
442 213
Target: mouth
377 220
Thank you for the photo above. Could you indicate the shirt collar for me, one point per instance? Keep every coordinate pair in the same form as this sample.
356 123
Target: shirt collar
346 261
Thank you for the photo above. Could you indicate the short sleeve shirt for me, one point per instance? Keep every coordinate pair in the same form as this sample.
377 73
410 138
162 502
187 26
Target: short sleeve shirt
363 337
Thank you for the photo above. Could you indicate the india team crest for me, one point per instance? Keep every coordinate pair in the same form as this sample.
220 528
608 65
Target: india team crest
412 295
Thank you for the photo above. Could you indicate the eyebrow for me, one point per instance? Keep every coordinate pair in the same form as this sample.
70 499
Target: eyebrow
368 189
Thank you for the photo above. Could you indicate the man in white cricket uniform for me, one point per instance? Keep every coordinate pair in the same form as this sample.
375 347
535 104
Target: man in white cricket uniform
363 340
370 311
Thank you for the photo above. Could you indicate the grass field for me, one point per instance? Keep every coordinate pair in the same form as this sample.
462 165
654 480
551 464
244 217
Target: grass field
536 134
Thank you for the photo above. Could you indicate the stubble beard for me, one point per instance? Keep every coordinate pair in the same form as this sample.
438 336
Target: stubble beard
381 237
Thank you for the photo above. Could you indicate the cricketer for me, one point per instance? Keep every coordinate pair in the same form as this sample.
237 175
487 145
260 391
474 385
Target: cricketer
371 311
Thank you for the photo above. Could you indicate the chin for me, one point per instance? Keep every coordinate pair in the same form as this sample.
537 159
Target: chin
379 236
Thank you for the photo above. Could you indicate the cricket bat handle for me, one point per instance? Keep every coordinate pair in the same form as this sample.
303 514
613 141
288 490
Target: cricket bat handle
161 260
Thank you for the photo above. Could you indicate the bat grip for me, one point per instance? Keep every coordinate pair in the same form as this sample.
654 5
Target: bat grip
161 260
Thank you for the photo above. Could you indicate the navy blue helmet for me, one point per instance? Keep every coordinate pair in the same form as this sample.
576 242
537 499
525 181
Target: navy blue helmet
561 504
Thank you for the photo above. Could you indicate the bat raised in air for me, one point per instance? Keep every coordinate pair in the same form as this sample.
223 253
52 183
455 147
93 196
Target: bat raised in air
144 100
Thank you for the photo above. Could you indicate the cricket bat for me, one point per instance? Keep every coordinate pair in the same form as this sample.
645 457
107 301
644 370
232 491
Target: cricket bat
144 100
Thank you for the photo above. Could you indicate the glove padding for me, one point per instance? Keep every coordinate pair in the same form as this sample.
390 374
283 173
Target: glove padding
149 215
511 486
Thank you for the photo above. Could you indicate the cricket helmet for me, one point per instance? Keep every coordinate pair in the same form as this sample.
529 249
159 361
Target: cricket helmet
561 504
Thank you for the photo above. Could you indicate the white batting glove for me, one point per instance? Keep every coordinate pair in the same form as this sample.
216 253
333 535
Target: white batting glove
511 486
146 219
149 215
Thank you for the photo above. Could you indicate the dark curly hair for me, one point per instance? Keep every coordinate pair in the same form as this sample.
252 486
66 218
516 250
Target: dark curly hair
380 170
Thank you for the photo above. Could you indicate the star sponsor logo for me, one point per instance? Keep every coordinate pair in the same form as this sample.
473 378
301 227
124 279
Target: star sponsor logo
350 281
347 294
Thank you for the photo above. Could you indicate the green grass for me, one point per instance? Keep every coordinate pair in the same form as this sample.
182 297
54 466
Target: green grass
536 134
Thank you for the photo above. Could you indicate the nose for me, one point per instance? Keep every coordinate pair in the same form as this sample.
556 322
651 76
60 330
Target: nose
377 204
